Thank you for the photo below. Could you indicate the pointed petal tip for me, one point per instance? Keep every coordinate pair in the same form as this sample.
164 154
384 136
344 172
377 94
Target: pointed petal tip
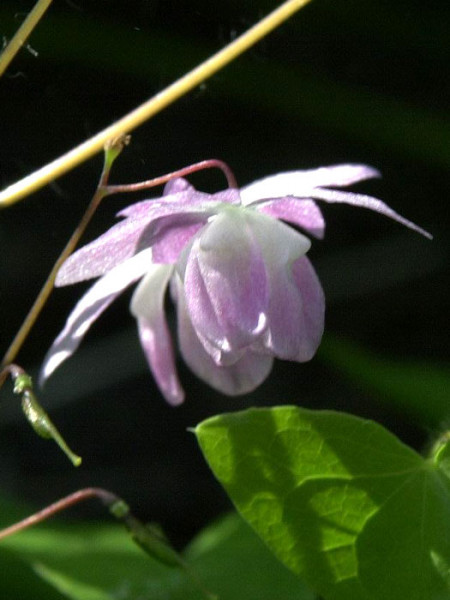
423 232
51 363
344 174
367 172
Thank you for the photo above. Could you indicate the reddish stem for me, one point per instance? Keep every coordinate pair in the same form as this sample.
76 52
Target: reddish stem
108 498
11 369
149 183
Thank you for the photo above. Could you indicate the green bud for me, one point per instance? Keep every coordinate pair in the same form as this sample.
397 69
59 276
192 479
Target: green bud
119 509
440 453
114 147
22 382
42 424
153 541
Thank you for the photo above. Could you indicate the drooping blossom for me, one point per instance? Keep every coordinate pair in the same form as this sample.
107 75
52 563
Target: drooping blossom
244 290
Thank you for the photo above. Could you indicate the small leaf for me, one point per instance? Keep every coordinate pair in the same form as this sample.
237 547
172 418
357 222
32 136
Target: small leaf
69 587
338 499
20 582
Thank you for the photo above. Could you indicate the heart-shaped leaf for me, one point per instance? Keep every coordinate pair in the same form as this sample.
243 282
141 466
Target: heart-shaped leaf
340 500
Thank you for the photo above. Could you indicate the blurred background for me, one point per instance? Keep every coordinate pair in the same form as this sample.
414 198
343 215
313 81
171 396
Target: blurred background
342 81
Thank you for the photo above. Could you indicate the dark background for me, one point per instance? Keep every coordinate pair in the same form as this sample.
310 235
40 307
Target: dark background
343 81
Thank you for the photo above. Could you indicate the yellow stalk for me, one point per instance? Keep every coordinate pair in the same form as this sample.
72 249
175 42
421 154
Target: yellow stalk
142 113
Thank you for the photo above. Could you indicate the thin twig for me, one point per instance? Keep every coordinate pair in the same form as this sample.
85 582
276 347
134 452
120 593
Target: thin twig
150 539
103 189
145 111
112 148
108 498
22 34
46 289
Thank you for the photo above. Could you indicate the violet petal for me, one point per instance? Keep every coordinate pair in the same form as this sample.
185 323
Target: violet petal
187 201
336 196
91 306
120 242
174 186
169 235
296 312
298 211
313 297
147 305
286 336
242 377
103 254
142 209
225 282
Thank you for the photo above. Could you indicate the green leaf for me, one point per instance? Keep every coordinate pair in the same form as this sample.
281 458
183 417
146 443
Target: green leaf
18 581
340 500
86 562
234 563
71 588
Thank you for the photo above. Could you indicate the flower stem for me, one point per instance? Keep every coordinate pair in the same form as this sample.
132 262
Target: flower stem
112 150
149 538
204 164
145 111
107 497
22 34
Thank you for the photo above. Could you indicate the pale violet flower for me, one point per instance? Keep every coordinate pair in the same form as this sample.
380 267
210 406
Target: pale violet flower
244 290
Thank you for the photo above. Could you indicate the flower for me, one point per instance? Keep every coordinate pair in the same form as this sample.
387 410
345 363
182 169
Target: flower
243 288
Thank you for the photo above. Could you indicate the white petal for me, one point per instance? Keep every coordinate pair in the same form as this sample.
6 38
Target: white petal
91 306
300 183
